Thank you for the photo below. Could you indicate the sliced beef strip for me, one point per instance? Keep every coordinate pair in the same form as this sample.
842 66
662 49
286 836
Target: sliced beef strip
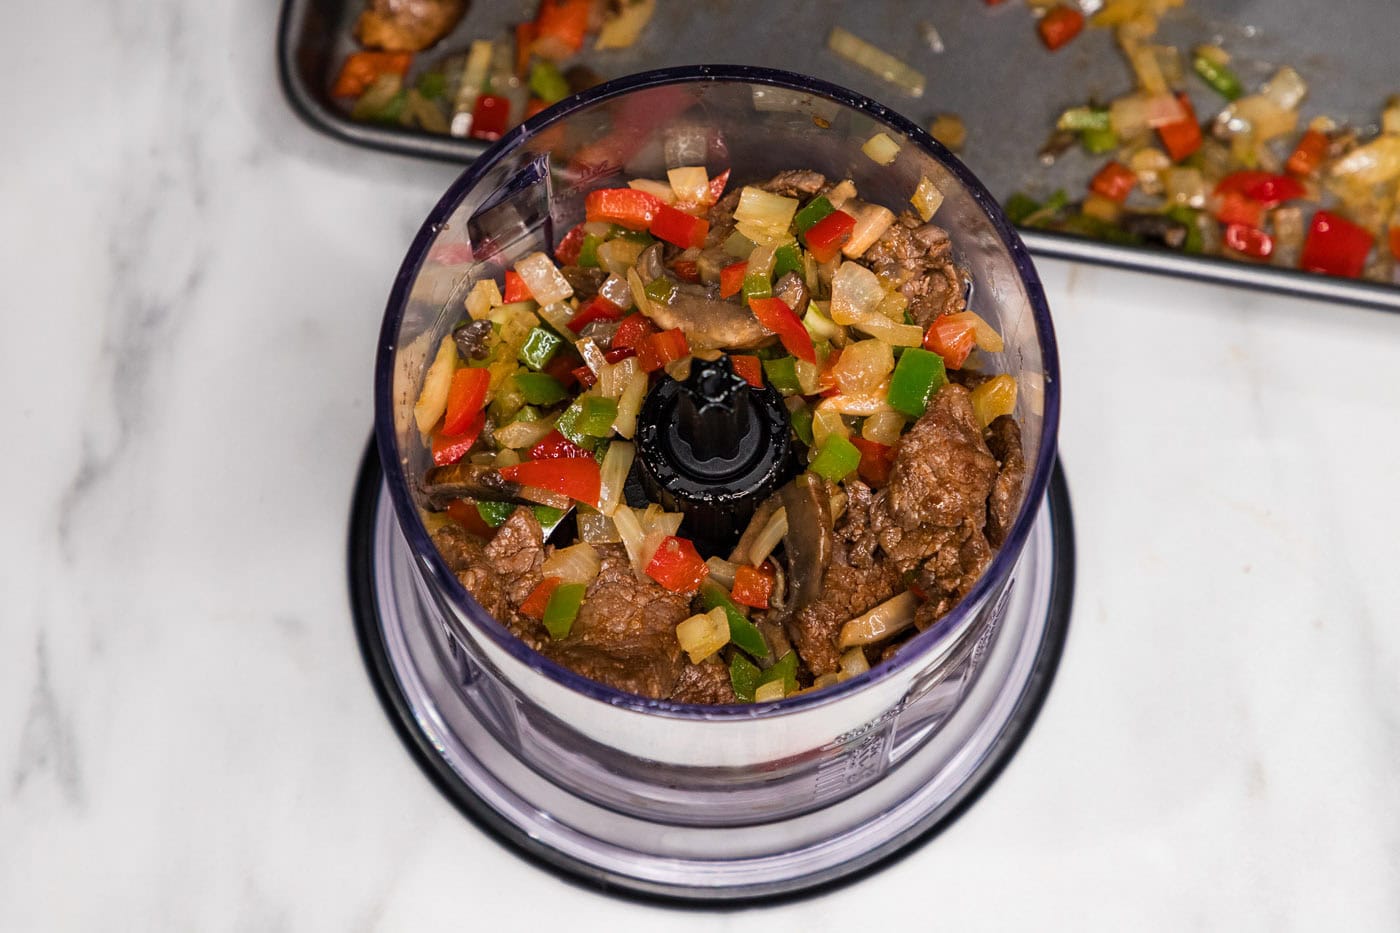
846 593
799 183
706 682
500 574
516 554
625 633
942 472
1004 441
918 257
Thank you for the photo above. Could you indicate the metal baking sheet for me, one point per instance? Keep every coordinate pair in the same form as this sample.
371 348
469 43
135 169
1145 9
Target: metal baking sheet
992 71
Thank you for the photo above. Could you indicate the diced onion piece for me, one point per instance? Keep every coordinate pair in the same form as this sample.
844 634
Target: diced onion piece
853 662
900 335
703 634
819 325
501 458
826 422
872 58
949 129
1377 161
1186 186
617 462
883 428
690 184
614 378
1288 236
768 537
657 520
617 256
545 282
824 681
841 192
475 68
629 530
519 435
592 355
639 295
773 690
994 398
889 618
630 404
872 221
578 563
722 571
557 315
863 365
808 376
1286 89
880 149
761 262
762 235
432 400
1256 118
616 290
621 28
596 528
927 199
657 189
985 334
1146 66
855 292
484 296
859 404
1131 114
764 209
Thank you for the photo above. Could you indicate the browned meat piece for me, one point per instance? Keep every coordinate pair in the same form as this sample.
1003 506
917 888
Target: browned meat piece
846 593
942 471
407 25
502 573
706 682
709 321
586 280
625 633
1004 441
918 256
800 183
465 558
516 554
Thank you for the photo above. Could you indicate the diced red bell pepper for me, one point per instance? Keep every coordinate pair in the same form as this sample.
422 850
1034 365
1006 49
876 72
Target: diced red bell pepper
686 270
464 512
362 68
630 333
534 604
826 237
562 369
775 315
567 252
731 279
1395 240
556 446
620 354
951 338
535 106
1231 207
677 566
1251 241
1267 188
586 377
579 478
525 34
449 448
516 289
596 308
465 398
490 117
1309 155
1183 137
678 227
1059 25
1114 181
717 186
876 460
626 207
560 28
749 368
1336 246
656 350
753 586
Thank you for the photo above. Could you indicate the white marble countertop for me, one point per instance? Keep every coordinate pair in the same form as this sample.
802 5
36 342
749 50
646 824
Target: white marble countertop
188 740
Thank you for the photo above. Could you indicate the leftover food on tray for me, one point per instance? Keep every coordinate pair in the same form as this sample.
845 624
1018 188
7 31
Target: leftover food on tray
493 85
849 319
1249 180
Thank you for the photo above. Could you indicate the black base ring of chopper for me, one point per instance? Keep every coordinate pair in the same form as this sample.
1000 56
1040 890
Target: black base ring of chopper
374 651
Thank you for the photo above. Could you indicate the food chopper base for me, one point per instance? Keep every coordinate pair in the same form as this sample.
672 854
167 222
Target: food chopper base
953 766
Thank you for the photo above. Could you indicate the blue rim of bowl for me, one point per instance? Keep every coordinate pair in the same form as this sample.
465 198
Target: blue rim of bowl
446 582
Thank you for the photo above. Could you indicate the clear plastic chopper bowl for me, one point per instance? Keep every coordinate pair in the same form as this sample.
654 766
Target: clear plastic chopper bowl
710 801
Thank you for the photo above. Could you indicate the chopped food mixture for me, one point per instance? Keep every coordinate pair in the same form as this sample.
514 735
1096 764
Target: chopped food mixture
906 465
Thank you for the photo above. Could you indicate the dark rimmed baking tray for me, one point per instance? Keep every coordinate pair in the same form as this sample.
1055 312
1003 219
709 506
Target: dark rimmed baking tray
992 71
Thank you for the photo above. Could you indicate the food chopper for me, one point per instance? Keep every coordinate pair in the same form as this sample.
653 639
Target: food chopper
697 803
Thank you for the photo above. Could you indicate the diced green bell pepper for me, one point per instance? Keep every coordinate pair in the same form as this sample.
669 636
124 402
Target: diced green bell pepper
661 289
802 424
1184 215
743 677
738 245
812 212
540 347
548 516
495 513
547 83
562 609
539 389
433 85
782 375
786 259
1099 141
742 632
1079 119
757 286
785 670
917 376
837 459
1020 206
567 425
588 251
1224 81
637 236
596 416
